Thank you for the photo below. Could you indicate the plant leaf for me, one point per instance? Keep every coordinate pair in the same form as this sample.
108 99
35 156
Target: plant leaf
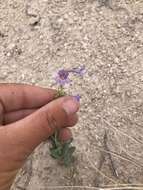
56 153
68 155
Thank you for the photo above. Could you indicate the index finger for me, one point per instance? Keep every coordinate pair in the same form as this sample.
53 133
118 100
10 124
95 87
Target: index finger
19 96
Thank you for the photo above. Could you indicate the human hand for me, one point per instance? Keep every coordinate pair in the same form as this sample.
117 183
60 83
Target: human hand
28 116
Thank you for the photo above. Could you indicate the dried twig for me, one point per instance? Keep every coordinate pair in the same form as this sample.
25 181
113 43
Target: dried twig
101 162
119 156
100 172
121 132
112 165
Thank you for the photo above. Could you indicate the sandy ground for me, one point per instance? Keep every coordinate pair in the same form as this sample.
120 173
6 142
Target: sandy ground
37 37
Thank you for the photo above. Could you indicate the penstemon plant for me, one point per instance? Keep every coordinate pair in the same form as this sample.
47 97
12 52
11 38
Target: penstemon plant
63 151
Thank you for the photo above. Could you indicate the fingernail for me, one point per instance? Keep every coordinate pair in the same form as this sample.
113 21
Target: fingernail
70 106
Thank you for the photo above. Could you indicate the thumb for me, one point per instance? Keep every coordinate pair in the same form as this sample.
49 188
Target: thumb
19 139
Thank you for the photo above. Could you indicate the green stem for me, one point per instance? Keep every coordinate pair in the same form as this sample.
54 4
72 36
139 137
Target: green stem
61 151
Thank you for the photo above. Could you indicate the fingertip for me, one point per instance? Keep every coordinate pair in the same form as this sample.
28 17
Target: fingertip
72 120
70 105
65 134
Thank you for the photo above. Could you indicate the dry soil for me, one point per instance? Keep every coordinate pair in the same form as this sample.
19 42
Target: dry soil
37 37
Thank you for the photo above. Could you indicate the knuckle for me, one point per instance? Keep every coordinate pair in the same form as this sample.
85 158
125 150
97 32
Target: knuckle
51 121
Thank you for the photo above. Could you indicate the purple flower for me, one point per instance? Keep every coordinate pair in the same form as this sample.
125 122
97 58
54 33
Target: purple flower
62 77
80 70
77 97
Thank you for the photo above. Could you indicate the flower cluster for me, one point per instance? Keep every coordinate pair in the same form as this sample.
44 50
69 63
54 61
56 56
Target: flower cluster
62 77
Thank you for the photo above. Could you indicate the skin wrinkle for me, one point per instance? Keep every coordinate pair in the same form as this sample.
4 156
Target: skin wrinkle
52 123
2 111
2 101
45 127
24 98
